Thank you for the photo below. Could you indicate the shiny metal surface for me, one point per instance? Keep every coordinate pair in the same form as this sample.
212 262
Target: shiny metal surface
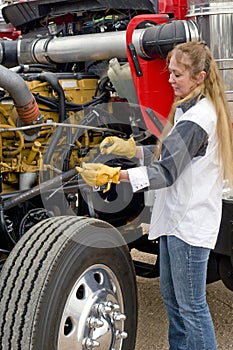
211 7
215 23
93 314
89 47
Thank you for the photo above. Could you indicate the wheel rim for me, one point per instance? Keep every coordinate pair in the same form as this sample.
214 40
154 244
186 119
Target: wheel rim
93 316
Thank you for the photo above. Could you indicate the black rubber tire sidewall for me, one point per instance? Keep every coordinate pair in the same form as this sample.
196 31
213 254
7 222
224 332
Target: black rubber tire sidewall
60 268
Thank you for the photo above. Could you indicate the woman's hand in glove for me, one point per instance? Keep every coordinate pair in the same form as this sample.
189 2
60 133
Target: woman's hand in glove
98 174
118 146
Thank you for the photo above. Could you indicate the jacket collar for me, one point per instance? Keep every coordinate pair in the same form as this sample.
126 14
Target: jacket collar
185 106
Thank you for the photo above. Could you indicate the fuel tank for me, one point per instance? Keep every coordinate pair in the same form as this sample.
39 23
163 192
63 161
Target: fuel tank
215 22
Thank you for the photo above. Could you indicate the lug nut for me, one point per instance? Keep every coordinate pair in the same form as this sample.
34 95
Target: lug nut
121 334
117 316
89 343
116 307
103 308
94 322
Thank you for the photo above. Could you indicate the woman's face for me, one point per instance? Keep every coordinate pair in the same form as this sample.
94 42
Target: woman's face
180 78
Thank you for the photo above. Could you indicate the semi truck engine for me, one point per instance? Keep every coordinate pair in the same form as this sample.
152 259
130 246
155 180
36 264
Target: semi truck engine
76 72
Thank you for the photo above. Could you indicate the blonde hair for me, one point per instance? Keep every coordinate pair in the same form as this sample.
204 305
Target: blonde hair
201 59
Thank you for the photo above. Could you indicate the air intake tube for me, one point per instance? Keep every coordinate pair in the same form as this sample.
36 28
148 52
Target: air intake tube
157 41
151 42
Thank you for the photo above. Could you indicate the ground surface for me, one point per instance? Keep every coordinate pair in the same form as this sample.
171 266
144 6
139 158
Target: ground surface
152 324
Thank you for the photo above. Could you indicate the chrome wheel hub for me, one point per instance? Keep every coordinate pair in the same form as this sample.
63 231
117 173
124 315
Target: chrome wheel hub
93 316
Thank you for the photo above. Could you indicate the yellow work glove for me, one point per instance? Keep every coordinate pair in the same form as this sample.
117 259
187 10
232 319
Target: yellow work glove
118 146
98 174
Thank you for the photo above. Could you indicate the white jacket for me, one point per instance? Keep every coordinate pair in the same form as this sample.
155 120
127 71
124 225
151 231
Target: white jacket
187 179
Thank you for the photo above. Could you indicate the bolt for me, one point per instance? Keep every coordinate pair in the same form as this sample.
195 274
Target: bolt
121 334
117 316
89 343
103 308
94 322
116 307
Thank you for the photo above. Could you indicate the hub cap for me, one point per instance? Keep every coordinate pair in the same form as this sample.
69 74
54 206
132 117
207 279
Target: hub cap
93 316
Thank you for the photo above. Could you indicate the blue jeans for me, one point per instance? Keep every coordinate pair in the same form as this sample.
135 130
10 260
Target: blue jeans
183 271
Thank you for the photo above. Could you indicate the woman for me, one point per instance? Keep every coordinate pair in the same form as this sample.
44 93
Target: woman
196 156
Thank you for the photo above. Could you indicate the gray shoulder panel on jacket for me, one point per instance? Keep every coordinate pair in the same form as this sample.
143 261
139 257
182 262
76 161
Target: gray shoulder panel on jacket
186 141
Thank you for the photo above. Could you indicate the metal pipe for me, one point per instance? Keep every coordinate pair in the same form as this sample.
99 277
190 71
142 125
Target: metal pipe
50 184
99 46
79 48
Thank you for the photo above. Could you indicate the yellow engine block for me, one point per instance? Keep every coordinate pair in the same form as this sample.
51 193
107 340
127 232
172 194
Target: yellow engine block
22 156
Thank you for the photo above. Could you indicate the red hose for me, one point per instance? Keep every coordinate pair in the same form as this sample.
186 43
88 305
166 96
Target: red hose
29 112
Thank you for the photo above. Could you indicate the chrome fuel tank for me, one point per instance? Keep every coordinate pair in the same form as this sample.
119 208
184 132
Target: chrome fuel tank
215 24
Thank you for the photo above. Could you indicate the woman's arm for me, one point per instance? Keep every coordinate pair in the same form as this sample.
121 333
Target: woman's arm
124 176
186 141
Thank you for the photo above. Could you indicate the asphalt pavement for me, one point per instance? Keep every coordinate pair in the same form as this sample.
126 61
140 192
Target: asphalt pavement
153 324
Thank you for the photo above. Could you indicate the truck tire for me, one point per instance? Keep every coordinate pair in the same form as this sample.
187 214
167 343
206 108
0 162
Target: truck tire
69 283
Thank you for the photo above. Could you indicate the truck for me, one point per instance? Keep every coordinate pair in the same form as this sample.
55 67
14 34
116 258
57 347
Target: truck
7 30
76 72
